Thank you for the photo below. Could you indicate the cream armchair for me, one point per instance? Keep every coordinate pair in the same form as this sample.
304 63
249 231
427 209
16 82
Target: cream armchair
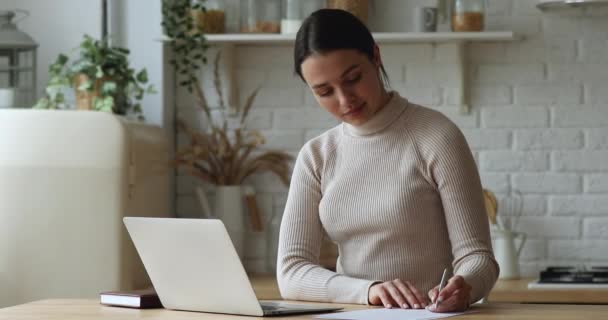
66 180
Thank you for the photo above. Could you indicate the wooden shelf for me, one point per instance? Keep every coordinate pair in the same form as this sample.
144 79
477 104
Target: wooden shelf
380 37
229 42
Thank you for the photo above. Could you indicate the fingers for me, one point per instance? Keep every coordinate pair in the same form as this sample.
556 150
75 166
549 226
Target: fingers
385 297
459 301
433 294
397 293
454 297
413 296
419 296
455 283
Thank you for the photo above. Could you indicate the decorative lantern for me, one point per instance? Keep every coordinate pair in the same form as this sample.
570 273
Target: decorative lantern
17 63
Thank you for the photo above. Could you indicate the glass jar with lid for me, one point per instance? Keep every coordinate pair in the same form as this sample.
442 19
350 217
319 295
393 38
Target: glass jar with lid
212 19
468 15
261 16
294 11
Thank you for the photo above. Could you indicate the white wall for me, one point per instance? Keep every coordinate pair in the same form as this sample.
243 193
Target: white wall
538 122
137 26
57 26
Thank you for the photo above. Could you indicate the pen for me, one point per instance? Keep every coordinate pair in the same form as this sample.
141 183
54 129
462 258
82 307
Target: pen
441 285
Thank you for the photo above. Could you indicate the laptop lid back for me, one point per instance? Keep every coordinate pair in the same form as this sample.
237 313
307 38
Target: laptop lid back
193 265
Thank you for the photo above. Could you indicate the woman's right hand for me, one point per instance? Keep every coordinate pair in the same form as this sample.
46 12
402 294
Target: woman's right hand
397 293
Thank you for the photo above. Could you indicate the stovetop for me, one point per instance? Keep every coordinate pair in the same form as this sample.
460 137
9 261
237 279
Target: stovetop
594 274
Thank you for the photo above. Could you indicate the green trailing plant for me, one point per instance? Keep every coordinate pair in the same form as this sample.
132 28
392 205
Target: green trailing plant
187 42
101 75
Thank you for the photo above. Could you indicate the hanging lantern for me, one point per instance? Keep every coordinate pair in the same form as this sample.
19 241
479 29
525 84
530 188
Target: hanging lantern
17 63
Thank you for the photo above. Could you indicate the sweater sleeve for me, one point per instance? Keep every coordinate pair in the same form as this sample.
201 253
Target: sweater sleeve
451 166
299 275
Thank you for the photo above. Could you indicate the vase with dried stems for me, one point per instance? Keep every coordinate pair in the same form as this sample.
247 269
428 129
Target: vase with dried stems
225 154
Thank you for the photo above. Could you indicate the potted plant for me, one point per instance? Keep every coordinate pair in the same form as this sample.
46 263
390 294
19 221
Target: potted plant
101 78
225 155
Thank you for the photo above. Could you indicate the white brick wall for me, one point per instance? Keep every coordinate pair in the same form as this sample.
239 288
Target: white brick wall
583 117
595 228
533 250
488 95
534 205
512 117
549 183
597 138
538 124
530 139
513 161
579 205
579 250
554 228
480 139
596 183
511 74
596 92
548 94
497 182
580 160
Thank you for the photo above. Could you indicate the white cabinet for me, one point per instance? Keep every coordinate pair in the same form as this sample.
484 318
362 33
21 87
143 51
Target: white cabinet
66 180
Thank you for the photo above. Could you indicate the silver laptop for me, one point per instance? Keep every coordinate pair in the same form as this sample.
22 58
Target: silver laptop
194 267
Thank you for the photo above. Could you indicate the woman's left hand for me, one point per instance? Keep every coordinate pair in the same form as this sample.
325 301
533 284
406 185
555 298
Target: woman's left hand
455 296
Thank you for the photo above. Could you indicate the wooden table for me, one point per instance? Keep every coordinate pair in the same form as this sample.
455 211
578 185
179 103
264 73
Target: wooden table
509 291
92 310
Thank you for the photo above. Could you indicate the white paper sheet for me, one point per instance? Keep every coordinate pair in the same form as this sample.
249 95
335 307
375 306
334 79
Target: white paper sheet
389 314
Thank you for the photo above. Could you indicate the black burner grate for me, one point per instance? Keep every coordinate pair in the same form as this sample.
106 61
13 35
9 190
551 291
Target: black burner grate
574 275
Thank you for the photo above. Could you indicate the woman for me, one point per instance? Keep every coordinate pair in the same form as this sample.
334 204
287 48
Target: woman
395 186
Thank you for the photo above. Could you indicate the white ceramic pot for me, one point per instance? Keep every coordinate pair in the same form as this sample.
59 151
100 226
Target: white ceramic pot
228 206
507 252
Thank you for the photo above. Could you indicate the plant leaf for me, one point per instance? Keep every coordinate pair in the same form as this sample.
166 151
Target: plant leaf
85 86
142 76
99 74
108 88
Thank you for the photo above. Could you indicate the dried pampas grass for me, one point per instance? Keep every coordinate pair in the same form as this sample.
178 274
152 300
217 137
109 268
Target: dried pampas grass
224 156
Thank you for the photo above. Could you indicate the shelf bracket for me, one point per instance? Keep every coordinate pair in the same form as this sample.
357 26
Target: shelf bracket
229 79
463 72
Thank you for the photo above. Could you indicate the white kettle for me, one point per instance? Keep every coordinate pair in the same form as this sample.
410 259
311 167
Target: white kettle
507 253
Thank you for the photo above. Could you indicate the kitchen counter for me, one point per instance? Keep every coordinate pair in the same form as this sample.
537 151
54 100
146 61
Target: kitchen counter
517 291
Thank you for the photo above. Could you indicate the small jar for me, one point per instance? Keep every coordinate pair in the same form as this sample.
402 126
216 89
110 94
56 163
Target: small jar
261 16
358 8
468 15
294 11
213 19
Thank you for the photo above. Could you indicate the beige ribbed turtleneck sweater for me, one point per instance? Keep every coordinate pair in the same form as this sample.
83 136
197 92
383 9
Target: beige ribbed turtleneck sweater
401 197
